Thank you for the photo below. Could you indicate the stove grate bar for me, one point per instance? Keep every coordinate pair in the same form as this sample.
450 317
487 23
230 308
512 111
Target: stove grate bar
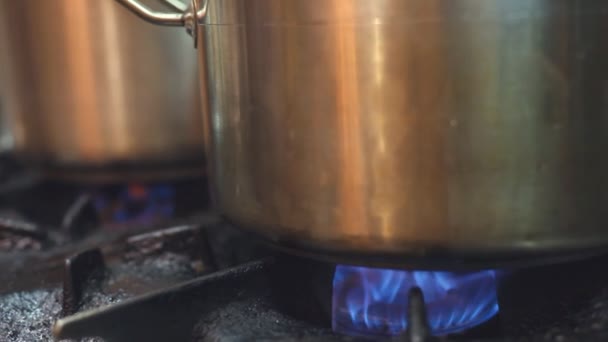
79 270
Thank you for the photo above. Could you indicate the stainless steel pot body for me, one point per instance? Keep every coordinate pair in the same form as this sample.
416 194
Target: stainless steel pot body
93 94
419 132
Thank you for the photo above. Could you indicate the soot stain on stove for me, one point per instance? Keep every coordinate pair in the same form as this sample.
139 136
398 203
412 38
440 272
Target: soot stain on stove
250 318
29 316
137 277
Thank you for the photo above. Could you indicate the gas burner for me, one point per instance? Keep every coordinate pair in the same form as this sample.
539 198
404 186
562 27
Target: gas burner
77 211
135 203
370 301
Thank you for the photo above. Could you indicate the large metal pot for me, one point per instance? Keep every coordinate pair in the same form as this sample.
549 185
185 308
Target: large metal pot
92 94
427 133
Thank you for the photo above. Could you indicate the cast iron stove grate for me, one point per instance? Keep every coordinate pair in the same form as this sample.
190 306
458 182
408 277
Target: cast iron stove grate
270 299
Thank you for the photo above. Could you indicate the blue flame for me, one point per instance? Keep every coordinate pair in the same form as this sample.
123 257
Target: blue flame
135 204
373 301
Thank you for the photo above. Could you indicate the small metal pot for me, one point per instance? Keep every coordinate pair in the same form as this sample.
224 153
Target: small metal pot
93 95
420 133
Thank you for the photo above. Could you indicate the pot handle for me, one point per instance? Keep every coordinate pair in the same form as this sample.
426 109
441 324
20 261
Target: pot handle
189 17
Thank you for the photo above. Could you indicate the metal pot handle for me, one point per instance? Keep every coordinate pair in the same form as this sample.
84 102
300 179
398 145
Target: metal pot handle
190 17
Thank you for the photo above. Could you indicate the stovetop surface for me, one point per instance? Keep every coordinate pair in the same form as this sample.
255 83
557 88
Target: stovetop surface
73 267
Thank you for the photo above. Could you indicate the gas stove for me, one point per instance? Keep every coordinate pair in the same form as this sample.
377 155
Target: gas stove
147 261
